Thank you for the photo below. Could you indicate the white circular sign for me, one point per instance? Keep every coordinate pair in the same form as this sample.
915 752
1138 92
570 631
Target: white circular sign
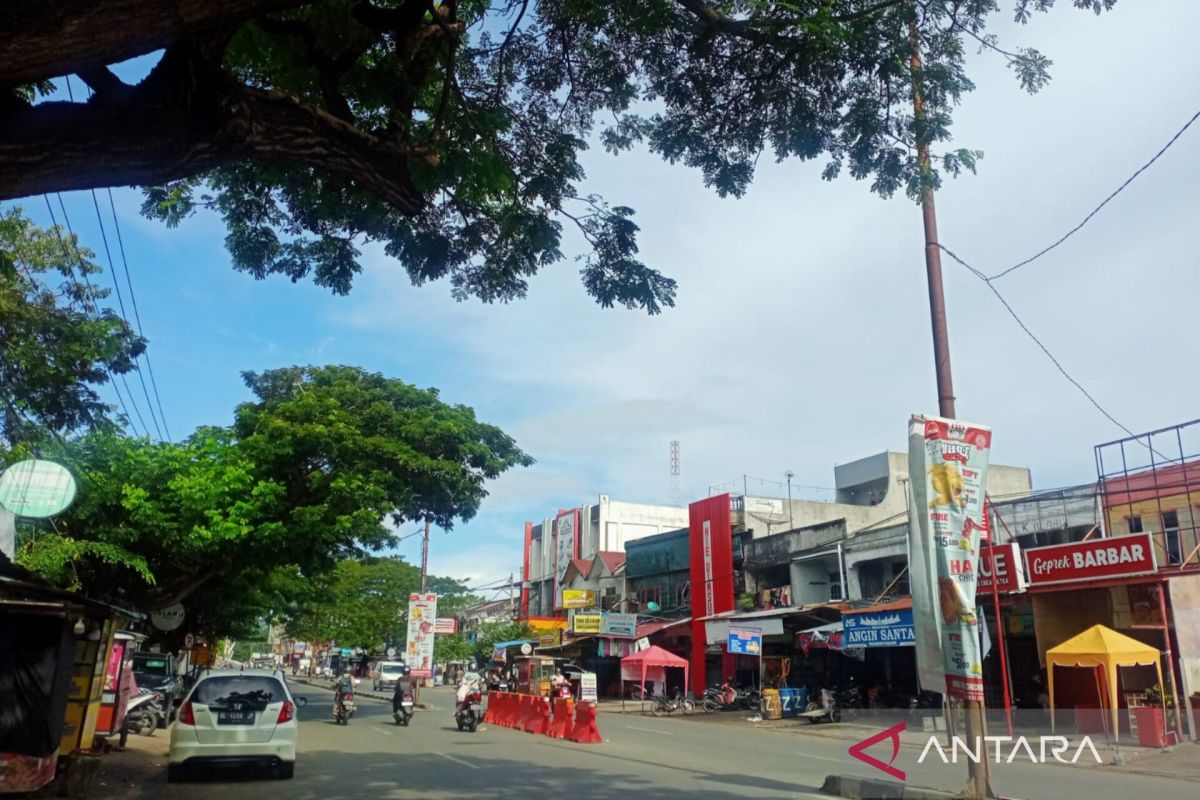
391 651
526 649
36 488
189 641
169 618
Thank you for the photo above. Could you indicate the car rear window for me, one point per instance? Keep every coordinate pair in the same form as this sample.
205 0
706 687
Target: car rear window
391 669
151 666
256 690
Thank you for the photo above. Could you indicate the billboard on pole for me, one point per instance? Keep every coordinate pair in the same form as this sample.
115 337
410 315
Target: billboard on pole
422 618
947 464
566 547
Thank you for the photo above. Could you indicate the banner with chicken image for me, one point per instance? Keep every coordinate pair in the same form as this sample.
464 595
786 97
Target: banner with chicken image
947 463
422 620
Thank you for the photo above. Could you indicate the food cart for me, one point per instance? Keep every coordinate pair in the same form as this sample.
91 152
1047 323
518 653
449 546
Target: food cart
535 674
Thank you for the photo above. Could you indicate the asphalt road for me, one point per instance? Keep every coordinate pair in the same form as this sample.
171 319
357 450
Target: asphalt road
671 759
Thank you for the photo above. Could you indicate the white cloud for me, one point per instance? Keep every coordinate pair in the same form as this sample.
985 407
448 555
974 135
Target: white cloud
801 337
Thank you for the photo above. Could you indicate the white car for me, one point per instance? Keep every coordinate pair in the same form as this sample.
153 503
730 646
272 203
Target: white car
235 716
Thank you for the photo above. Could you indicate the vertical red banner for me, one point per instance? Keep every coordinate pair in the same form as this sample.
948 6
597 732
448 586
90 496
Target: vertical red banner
710 547
525 569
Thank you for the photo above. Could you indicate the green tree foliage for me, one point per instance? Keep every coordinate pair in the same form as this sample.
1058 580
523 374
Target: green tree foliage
450 131
238 522
491 632
361 603
56 345
447 648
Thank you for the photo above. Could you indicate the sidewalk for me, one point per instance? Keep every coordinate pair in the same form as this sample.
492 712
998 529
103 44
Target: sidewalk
138 772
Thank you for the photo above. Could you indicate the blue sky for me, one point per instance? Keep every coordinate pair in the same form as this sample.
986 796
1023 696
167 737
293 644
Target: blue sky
801 336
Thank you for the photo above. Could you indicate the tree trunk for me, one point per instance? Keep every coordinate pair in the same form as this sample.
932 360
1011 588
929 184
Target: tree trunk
179 123
42 39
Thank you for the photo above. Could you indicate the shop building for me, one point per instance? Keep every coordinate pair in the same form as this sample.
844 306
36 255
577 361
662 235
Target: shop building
582 533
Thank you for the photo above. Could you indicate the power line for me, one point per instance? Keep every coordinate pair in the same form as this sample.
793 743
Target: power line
120 299
88 282
125 318
1093 213
137 316
1058 365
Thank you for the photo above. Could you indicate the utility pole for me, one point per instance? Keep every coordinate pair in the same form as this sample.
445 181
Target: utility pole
977 771
425 558
789 475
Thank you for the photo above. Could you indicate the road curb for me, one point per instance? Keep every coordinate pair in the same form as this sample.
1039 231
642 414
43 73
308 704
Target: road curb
876 789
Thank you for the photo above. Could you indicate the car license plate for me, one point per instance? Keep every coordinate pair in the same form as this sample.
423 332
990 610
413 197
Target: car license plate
235 717
407 704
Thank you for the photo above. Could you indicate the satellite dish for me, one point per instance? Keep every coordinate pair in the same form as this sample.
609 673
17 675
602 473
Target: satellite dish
36 488
653 606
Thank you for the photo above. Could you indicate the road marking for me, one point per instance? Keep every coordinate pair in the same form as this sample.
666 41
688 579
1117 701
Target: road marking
457 760
648 730
381 730
821 758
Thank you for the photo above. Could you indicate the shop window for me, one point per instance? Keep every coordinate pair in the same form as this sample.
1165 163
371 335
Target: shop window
649 594
835 586
1135 524
1170 522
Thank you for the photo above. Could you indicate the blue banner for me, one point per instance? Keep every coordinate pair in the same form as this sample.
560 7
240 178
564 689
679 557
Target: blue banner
745 641
879 629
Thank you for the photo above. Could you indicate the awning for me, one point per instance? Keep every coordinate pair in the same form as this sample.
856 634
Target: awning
657 626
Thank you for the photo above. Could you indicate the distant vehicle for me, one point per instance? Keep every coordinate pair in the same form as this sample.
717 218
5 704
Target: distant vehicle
235 716
385 677
156 671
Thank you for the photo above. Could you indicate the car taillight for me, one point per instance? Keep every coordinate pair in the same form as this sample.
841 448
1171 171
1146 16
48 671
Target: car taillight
186 717
475 698
349 698
287 713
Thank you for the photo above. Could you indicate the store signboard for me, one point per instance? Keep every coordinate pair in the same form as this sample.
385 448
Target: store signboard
745 641
1115 557
446 625
586 623
566 547
587 687
619 624
1005 563
879 629
578 598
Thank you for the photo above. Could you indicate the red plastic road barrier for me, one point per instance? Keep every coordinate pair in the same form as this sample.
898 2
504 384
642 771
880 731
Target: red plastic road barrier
563 719
585 730
521 711
508 709
491 715
539 716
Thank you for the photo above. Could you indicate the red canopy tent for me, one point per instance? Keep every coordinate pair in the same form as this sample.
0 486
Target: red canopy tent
651 663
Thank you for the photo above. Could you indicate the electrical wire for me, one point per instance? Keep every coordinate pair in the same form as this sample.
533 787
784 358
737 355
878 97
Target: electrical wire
87 281
1095 210
120 297
136 314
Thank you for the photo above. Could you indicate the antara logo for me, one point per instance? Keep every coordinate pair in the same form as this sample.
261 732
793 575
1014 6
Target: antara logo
892 734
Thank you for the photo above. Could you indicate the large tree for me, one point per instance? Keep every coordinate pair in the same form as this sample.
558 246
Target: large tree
450 130
56 345
236 521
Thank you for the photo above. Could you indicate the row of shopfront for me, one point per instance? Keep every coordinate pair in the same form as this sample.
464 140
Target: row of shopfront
1030 601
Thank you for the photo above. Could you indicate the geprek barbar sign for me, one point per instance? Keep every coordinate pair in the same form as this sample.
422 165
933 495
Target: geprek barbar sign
1116 557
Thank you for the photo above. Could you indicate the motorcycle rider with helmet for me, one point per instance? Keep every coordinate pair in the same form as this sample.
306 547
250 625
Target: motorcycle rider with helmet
404 686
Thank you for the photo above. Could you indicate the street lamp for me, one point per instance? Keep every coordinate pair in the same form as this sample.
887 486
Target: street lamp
789 475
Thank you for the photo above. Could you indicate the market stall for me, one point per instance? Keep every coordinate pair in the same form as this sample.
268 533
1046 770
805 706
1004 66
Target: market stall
651 664
1104 651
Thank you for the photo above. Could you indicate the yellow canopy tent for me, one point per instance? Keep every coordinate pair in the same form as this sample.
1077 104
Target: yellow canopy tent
1100 647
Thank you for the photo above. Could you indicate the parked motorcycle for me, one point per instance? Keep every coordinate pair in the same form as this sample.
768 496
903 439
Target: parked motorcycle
720 699
467 714
826 709
403 713
669 705
343 711
144 712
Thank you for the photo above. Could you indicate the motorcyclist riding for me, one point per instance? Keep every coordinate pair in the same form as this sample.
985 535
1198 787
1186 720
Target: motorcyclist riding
345 686
404 686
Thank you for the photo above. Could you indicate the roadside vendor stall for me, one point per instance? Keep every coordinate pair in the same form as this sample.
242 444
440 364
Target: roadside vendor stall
651 664
1104 651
